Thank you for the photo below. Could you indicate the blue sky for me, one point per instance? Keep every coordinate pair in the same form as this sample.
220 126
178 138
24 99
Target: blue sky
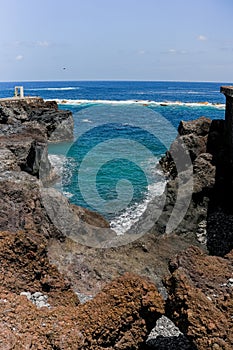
189 40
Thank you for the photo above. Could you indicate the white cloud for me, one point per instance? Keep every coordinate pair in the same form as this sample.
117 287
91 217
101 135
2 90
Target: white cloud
173 51
141 52
201 37
43 43
31 44
19 58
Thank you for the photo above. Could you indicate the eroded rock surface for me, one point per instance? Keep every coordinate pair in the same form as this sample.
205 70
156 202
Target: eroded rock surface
120 317
57 123
48 266
25 268
201 298
209 213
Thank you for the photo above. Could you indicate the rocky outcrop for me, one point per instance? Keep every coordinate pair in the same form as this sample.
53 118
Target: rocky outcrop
209 214
29 145
25 268
44 268
120 317
8 160
26 127
193 135
91 269
201 298
57 123
21 205
90 217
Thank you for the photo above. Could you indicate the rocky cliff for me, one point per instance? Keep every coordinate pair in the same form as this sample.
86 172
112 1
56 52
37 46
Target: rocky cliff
210 213
44 272
58 124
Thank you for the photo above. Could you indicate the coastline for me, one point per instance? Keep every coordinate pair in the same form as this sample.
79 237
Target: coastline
33 243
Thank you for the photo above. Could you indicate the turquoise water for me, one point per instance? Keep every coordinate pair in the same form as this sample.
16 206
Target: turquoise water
121 131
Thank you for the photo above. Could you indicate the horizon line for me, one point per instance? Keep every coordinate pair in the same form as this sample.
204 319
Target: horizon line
117 80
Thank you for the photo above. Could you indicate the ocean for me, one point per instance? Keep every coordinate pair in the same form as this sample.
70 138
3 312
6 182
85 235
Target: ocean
121 131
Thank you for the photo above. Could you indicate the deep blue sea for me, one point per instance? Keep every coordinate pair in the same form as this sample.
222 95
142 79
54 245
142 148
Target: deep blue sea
121 131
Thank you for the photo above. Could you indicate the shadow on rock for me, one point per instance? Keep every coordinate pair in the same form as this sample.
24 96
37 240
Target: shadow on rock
171 343
220 208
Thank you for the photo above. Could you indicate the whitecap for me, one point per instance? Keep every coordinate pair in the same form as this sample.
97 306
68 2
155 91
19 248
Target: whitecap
86 121
55 88
145 103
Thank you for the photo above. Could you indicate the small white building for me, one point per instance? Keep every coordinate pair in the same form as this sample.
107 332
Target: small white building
19 91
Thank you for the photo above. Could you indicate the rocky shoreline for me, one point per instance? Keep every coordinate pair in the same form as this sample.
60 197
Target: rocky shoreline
186 276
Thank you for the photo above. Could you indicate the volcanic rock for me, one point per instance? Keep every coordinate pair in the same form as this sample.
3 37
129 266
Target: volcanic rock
8 160
29 145
90 269
201 299
21 205
57 123
25 268
120 317
199 127
209 214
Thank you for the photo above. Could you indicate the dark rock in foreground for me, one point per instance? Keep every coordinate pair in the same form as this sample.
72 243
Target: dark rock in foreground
166 336
209 215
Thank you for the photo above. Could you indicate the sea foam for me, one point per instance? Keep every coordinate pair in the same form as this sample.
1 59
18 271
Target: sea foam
145 103
55 88
131 215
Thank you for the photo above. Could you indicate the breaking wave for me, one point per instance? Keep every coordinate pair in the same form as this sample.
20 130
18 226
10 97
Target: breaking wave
145 103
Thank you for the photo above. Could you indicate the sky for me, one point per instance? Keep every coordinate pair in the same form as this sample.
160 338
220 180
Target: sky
181 40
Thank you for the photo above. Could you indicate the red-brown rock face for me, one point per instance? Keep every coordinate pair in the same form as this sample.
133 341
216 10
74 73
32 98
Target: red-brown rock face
120 317
201 298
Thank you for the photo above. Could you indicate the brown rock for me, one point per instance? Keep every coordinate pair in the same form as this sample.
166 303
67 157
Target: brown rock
90 217
25 268
21 205
90 269
201 298
8 160
120 317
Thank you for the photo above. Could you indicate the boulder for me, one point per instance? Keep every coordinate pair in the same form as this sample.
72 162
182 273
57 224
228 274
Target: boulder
200 298
58 124
29 145
25 268
120 317
199 127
